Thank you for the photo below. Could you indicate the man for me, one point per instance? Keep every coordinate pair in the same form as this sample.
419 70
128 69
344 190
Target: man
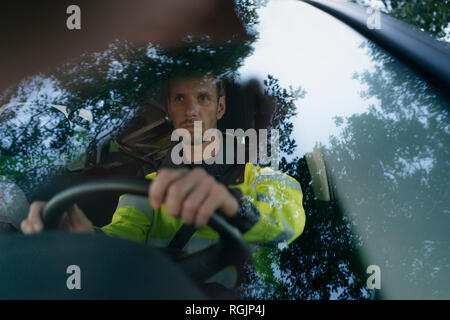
265 205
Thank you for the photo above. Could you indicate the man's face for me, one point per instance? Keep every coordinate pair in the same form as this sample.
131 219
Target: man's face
195 99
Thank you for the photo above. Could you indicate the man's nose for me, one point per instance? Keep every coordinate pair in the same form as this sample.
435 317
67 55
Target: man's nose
192 107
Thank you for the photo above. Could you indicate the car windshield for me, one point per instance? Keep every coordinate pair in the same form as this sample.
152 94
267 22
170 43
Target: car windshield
365 136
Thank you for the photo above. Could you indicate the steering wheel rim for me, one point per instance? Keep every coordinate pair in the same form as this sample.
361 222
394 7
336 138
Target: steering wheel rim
231 249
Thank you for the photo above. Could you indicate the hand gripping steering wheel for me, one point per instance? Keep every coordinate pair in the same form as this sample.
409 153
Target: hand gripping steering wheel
230 250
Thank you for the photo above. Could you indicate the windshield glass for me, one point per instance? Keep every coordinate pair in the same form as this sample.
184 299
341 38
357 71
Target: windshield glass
366 138
373 138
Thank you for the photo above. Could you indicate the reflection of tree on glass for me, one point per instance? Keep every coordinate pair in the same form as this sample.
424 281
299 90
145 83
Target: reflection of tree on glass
387 177
32 136
397 154
322 260
431 15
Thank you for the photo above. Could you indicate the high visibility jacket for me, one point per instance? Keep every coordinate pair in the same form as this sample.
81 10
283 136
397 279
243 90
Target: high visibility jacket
274 214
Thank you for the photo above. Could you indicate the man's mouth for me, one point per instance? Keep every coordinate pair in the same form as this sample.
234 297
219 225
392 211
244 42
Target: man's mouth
187 124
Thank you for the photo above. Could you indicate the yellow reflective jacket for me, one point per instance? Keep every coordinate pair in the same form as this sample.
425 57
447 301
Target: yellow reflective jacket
274 200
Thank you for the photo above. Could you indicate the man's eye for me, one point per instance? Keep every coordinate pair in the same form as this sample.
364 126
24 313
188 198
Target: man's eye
178 98
203 97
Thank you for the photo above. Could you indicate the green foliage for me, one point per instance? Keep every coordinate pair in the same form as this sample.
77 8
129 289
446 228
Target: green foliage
285 108
432 16
247 11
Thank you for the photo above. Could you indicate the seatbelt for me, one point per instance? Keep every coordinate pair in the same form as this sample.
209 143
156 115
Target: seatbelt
182 237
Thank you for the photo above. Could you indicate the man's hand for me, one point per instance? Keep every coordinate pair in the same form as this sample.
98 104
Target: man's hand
73 220
192 195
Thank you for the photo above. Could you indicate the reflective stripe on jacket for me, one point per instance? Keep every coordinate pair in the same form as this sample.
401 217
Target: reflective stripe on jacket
273 198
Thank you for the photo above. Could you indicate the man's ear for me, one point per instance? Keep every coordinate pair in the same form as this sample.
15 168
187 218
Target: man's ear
221 108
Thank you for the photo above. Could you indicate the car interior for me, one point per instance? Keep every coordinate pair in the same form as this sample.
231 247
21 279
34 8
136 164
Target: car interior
374 189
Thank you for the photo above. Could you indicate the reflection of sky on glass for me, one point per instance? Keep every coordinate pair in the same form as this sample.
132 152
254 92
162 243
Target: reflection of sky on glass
302 46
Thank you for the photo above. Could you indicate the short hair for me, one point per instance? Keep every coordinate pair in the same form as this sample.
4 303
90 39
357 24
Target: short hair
220 84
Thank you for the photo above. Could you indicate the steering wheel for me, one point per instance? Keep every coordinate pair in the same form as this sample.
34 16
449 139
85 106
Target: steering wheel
231 249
